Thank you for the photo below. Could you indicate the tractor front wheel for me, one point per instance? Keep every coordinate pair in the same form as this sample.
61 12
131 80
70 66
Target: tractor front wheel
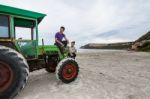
13 73
67 70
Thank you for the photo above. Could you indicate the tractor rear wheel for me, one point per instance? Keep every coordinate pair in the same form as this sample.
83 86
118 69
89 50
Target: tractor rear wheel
67 70
13 73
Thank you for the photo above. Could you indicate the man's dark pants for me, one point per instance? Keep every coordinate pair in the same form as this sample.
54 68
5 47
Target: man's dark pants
60 46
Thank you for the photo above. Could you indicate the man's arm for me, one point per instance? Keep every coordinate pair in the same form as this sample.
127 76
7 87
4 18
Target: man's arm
70 51
66 38
59 42
75 50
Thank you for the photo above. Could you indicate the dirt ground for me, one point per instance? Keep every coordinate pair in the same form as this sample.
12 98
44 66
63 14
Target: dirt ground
103 75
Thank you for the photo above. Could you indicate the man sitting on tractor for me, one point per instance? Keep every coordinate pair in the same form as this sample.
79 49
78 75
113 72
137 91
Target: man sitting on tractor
59 39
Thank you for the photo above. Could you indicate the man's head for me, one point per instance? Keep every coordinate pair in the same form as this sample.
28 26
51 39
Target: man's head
72 43
62 29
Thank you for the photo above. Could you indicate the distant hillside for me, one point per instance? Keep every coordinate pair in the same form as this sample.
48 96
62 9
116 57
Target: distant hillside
144 37
143 43
123 45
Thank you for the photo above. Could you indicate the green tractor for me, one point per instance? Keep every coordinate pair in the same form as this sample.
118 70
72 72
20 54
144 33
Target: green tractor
21 54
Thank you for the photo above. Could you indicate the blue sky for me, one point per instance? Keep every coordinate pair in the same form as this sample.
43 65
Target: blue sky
96 21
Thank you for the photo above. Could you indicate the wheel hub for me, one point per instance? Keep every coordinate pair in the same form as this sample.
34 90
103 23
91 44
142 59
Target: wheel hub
69 71
6 76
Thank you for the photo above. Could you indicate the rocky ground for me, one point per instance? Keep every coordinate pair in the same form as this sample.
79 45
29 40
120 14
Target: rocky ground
103 75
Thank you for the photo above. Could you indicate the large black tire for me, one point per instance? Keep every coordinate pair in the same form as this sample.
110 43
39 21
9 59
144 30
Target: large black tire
67 70
51 67
14 72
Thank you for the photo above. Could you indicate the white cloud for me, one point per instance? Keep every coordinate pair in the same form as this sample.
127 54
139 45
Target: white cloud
85 19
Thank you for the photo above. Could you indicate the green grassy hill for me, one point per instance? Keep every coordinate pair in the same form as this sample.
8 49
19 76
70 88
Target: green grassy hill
142 38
